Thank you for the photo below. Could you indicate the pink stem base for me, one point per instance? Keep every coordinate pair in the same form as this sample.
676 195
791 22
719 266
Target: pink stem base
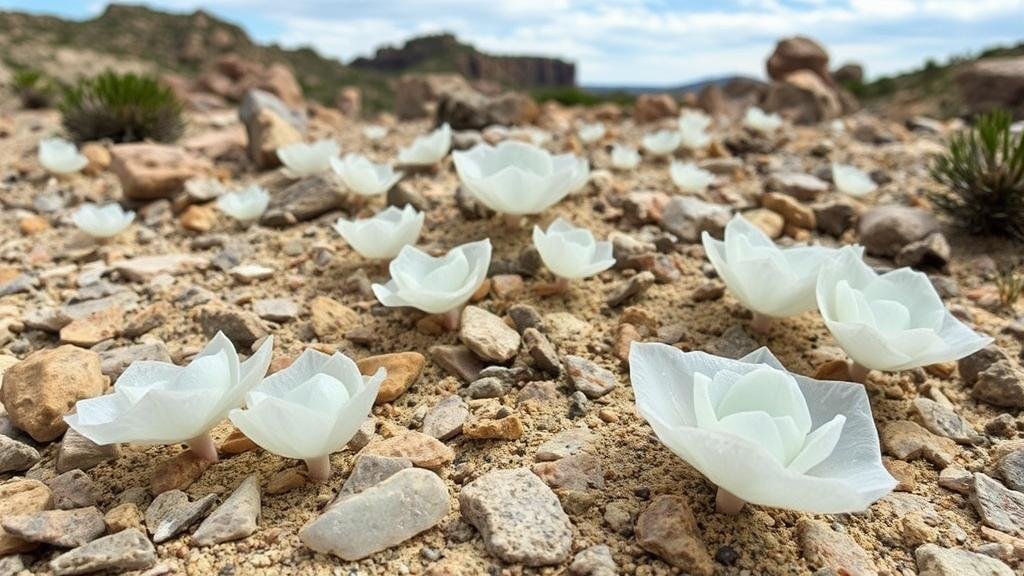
761 324
203 447
859 373
727 503
450 319
512 221
319 468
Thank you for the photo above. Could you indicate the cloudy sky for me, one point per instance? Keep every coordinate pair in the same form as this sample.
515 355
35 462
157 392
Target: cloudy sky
623 42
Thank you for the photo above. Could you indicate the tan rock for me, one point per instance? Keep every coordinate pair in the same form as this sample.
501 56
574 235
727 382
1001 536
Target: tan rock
668 529
330 318
21 497
420 449
791 210
32 225
279 80
237 443
122 517
177 473
149 171
403 369
42 388
99 158
507 428
198 218
770 222
653 107
149 318
825 548
287 480
94 328
907 440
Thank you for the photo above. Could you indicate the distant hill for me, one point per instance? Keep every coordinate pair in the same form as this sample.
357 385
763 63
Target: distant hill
696 86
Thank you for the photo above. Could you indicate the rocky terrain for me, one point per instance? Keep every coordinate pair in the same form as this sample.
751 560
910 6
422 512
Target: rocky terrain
512 445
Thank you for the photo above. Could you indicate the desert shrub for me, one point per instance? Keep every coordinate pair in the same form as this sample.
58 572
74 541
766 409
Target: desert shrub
33 89
982 177
123 108
572 96
1010 284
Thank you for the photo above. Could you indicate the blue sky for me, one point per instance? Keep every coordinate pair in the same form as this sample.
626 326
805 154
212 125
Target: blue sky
641 42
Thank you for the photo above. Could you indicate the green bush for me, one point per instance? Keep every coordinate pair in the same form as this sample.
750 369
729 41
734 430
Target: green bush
32 88
572 96
983 178
123 108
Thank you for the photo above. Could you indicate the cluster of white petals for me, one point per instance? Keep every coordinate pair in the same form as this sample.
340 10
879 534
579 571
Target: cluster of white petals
102 221
435 285
693 125
689 177
427 150
893 321
58 156
624 157
383 235
852 180
363 176
160 403
662 142
760 121
245 205
301 159
768 280
571 252
760 433
518 178
591 132
310 409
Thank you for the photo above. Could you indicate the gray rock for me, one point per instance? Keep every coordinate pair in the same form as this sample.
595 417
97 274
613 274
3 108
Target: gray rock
256 106
305 200
885 230
998 506
115 361
79 453
445 419
240 326
525 316
11 565
940 420
125 550
594 561
370 470
956 479
367 430
519 517
171 513
276 309
687 217
971 366
836 217
488 336
565 443
634 286
16 456
234 519
73 489
403 194
382 516
64 528
542 351
1011 469
803 187
579 405
488 387
1000 385
932 251
734 343
933 560
458 361
145 268
588 377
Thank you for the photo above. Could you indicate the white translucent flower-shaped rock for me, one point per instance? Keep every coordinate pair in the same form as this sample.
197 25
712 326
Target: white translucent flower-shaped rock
58 156
516 178
301 159
890 322
853 181
760 433
693 126
625 157
591 132
759 121
102 221
245 205
772 282
689 177
436 285
160 403
662 142
310 409
383 235
364 177
427 150
374 132
571 252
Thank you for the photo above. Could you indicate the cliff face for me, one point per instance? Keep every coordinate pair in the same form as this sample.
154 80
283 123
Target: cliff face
444 53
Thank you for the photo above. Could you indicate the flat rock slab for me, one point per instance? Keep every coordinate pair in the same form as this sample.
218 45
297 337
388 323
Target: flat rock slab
488 336
668 529
519 517
422 450
234 519
588 377
171 513
445 419
825 548
385 515
403 369
64 528
370 470
935 560
126 550
565 443
16 456
998 506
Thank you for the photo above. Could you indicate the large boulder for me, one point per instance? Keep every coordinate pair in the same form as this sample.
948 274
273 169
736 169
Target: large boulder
467 109
151 171
798 53
848 73
416 95
885 230
269 124
654 107
993 83
804 98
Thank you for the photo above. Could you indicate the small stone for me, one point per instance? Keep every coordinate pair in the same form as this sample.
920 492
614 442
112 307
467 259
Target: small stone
933 560
567 443
886 229
16 456
73 489
422 450
458 361
915 530
542 351
940 420
904 473
1000 385
367 430
594 561
149 318
932 251
236 443
124 516
370 470
907 440
171 513
276 309
198 218
578 472
241 327
825 548
971 366
409 502
956 479
487 387
488 336
507 286
94 328
791 210
235 518
803 187
115 361
125 550
525 316
734 343
149 171
286 480
687 217
1011 469
508 428
445 419
305 199
21 497
1004 426
79 453
588 377
635 286
998 506
708 291
668 529
64 528
518 516
403 369
145 268
177 473
579 405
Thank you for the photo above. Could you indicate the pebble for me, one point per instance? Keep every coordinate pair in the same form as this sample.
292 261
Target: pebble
94 328
488 336
825 548
42 388
125 550
579 405
178 472
73 489
16 456
276 309
236 443
115 361
249 273
385 515
594 561
907 440
171 512
145 268
589 378
566 443
305 199
578 472
21 497
64 528
1003 425
403 370
487 387
243 328
971 366
518 516
542 351
422 450
668 529
287 480
525 316
444 420
1011 469
631 288
998 506
1000 385
687 217
235 518
941 420
124 516
801 186
459 361
934 560
370 470
956 479
79 453
791 210
734 343
884 230
508 428
367 430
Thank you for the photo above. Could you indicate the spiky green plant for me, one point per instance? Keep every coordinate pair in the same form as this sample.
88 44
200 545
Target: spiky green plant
983 178
1010 284
32 88
123 108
